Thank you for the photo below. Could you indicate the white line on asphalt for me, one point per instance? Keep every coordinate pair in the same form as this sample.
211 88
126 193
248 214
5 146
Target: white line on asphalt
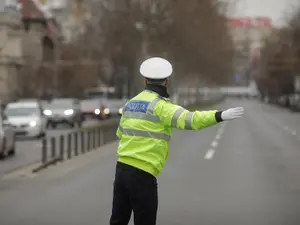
209 154
221 130
214 144
292 132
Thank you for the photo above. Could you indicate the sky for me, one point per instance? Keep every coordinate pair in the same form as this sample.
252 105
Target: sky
277 10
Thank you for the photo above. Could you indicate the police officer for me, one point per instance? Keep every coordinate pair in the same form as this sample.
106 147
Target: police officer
144 131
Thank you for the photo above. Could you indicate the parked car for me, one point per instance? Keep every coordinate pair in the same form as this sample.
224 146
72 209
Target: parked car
26 118
92 108
283 101
295 102
7 137
64 111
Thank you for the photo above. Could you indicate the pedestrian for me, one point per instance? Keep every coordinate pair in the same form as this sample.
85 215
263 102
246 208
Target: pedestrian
144 131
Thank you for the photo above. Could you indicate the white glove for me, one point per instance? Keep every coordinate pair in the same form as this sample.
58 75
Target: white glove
232 113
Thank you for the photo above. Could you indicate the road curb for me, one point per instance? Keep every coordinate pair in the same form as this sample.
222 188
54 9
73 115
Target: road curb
24 172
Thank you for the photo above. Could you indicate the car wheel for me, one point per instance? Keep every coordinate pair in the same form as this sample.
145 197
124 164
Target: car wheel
12 151
3 150
41 135
48 125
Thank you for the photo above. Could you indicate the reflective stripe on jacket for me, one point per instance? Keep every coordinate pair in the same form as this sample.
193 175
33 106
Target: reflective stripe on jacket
146 127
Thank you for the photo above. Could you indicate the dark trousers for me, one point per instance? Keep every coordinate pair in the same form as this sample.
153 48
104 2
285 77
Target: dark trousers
134 190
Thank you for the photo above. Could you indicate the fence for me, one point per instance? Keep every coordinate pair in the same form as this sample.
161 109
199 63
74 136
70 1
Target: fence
59 148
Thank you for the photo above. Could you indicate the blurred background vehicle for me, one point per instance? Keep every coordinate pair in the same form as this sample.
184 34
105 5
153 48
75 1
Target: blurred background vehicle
114 108
92 108
7 137
112 100
64 111
27 118
295 102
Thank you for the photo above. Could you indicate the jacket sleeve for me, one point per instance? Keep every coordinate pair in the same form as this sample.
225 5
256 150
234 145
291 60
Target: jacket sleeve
178 117
119 133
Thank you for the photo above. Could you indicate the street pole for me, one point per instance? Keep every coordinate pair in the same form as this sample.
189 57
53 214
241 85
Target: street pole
56 64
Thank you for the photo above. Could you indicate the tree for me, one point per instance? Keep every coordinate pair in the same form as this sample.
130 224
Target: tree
120 35
280 61
193 36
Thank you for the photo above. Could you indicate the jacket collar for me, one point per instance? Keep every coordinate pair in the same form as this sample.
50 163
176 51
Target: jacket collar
159 89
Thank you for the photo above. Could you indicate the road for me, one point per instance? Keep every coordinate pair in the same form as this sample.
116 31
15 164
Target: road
28 151
241 172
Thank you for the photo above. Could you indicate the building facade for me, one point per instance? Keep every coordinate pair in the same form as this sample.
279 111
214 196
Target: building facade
10 51
27 33
249 35
71 16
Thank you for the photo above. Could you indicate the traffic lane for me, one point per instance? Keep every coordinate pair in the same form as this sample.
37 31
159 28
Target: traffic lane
84 195
253 178
28 150
283 117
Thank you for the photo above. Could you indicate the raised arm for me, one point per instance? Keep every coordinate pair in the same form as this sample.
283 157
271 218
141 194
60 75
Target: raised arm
178 117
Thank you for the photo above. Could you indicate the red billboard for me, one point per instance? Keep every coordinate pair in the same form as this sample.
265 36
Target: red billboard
250 22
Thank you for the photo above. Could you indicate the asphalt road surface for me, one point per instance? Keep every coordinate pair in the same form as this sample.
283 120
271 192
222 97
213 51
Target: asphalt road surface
244 172
28 151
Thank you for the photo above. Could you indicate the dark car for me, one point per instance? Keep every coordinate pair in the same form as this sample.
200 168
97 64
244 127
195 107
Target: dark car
64 111
295 106
114 108
92 108
294 100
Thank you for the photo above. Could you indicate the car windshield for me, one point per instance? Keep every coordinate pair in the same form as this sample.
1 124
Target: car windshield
105 95
89 104
21 111
60 105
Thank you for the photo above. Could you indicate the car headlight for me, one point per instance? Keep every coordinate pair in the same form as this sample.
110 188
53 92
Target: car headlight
32 123
97 111
69 112
120 110
47 112
106 111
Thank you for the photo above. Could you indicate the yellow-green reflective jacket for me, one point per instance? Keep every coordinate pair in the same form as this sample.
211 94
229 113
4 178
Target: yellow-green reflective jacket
146 126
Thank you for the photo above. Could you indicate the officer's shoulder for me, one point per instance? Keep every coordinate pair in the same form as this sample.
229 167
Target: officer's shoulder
166 100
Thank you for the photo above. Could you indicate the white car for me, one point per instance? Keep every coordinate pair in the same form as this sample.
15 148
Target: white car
7 138
27 118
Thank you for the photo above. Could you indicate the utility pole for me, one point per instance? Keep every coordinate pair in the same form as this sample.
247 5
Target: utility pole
56 66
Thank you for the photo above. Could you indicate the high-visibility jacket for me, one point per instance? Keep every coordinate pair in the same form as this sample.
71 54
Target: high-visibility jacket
146 126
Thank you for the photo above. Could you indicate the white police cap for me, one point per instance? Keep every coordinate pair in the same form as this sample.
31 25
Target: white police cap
156 68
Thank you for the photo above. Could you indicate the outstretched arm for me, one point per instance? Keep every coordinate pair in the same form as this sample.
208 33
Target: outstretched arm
178 117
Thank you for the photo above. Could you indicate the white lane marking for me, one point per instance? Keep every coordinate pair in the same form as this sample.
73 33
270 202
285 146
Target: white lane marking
220 132
292 132
209 154
214 144
218 137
